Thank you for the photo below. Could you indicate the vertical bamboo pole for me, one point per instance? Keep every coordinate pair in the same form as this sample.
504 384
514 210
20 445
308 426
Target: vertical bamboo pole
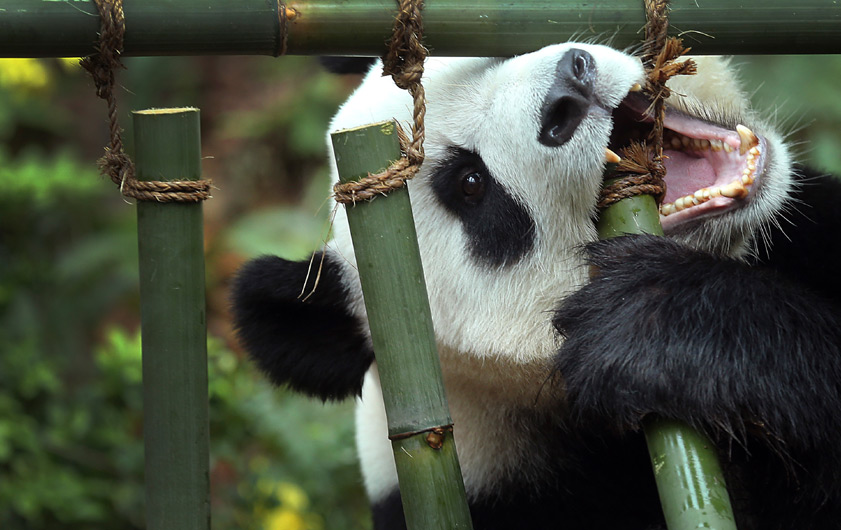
686 468
172 304
388 260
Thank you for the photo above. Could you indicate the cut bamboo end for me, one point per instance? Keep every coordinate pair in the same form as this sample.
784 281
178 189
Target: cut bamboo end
162 112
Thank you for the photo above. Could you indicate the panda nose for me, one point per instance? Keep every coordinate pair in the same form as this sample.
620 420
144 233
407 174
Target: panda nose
568 99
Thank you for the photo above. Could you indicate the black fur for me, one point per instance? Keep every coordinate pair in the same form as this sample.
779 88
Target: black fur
749 354
569 99
499 228
806 247
315 345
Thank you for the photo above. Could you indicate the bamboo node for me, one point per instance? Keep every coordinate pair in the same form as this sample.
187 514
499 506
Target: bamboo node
435 436
115 163
435 439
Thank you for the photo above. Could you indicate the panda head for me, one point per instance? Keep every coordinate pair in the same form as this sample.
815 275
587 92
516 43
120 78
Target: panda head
515 152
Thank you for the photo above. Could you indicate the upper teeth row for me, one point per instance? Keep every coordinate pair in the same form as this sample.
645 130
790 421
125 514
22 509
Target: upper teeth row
747 140
679 141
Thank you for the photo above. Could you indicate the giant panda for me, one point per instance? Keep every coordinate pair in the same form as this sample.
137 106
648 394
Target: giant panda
555 346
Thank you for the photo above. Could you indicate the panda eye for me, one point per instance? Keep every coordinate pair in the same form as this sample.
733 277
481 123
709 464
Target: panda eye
473 186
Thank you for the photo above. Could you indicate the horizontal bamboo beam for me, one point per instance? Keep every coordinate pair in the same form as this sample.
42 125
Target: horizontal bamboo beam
68 28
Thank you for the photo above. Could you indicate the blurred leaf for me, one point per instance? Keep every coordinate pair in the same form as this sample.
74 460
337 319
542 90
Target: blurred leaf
285 232
45 179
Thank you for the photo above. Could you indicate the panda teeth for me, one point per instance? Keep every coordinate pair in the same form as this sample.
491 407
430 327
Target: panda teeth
737 189
611 157
747 139
680 142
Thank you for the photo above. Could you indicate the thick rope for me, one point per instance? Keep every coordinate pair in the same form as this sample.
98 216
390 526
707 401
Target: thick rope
638 176
366 188
641 170
115 163
404 63
391 178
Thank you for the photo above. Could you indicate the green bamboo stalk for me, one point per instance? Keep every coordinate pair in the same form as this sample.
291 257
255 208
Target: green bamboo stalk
634 215
689 478
388 261
172 306
52 28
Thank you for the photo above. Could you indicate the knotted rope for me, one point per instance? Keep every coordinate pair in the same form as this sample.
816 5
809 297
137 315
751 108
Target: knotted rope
115 163
638 172
404 63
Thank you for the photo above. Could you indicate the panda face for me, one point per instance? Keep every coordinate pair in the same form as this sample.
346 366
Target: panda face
515 152
500 210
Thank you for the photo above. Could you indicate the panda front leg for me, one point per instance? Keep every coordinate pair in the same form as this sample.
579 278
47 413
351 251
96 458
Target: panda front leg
737 352
298 332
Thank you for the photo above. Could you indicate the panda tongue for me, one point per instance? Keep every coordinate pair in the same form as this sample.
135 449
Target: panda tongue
686 174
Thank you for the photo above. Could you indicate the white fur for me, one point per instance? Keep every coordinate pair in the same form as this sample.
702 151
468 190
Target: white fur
493 323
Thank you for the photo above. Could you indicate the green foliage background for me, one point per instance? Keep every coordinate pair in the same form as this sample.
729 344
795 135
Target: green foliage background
70 404
71 448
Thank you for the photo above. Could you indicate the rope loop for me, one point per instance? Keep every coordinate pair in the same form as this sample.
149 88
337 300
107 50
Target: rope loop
366 188
641 170
284 15
115 163
404 63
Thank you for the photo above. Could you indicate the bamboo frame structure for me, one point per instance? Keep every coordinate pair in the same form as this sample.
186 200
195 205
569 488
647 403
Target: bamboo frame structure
388 260
49 28
173 327
172 266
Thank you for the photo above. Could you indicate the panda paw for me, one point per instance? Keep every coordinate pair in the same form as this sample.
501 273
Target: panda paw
300 333
668 330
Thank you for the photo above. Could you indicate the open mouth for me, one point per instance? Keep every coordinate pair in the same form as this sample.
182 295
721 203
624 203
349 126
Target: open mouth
709 169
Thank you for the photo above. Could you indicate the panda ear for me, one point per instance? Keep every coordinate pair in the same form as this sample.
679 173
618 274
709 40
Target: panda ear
312 343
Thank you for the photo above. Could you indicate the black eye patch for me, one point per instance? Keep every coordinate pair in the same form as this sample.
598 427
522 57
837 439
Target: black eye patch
499 229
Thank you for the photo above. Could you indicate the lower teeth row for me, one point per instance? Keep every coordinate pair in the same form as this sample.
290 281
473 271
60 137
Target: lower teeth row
738 189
